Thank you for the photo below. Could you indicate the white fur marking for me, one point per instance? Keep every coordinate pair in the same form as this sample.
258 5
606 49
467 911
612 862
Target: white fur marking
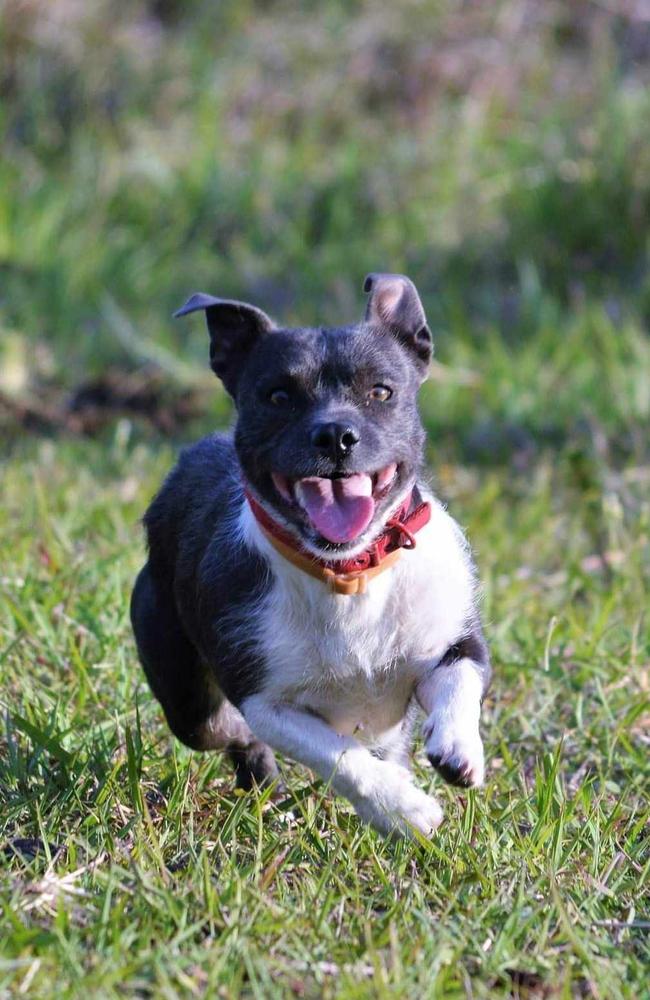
452 698
382 792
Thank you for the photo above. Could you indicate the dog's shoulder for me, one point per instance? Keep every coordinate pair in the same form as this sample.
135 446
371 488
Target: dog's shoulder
184 512
204 470
205 473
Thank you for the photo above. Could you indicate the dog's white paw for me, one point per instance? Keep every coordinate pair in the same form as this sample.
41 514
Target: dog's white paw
456 751
395 805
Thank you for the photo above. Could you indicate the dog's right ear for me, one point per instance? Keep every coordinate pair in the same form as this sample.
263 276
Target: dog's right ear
234 327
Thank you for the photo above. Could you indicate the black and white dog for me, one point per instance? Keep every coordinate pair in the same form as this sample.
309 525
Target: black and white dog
304 590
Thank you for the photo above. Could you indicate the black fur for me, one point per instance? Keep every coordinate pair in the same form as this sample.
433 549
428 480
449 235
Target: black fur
206 584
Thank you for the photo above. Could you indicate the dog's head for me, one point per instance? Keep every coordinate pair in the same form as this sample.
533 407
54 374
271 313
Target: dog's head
328 433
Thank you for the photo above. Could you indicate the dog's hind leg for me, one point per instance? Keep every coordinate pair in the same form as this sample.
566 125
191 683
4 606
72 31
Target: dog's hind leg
196 710
189 697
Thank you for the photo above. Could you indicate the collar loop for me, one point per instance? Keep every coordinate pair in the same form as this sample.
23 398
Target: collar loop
349 576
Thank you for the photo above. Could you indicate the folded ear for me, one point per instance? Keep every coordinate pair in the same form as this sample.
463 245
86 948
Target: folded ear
234 327
394 303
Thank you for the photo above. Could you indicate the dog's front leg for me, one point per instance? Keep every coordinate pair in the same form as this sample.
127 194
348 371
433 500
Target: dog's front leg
382 792
451 696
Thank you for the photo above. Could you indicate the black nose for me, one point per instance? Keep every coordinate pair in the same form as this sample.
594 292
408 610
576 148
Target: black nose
334 440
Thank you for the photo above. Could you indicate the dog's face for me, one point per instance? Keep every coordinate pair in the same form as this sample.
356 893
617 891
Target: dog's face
328 433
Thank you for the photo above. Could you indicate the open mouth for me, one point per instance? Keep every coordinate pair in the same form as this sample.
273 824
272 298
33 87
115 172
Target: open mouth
339 508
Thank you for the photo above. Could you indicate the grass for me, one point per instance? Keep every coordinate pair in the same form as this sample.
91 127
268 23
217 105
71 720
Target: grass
276 152
145 874
494 152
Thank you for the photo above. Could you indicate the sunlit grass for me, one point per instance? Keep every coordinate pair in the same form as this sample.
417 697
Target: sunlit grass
147 873
274 152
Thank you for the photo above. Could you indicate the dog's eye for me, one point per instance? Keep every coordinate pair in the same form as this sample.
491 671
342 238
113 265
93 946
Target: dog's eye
279 397
380 393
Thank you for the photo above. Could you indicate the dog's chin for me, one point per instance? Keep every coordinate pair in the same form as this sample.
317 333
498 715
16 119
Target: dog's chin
339 515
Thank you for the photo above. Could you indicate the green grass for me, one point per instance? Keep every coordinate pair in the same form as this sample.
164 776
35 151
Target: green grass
155 878
494 152
276 152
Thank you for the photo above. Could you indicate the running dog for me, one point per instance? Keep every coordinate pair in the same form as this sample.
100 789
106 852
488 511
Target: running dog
305 591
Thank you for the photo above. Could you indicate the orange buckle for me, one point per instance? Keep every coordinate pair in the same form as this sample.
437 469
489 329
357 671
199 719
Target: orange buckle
348 584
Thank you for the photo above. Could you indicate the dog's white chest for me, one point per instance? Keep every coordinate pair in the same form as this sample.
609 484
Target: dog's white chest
354 660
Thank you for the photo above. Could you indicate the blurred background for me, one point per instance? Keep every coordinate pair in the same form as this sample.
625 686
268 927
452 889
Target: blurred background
275 152
499 154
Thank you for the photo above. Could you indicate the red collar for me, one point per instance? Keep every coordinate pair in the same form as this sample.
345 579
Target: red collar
349 576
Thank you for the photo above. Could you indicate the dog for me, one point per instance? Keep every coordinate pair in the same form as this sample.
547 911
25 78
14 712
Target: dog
304 590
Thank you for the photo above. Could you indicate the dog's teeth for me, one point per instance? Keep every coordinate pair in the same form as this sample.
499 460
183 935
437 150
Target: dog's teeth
283 485
385 477
298 494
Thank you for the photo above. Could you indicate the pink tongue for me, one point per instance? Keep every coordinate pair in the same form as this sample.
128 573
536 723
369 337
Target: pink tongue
339 509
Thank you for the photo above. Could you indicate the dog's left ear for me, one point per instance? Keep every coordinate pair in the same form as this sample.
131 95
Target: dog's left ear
395 303
234 327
